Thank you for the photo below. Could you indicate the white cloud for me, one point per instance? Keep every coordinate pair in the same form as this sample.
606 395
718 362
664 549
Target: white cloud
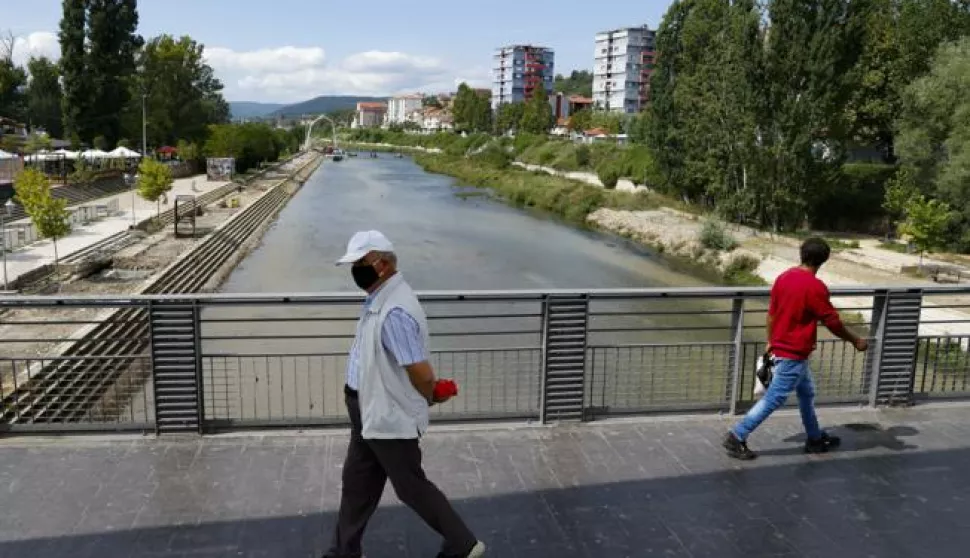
291 73
40 43
283 59
294 74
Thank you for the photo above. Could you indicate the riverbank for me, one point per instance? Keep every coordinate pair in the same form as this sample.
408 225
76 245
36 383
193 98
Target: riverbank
585 205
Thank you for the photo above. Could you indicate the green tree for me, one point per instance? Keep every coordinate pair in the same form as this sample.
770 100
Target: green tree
926 223
537 116
934 131
37 142
581 120
249 144
44 96
13 78
110 63
183 95
464 109
508 117
579 82
901 37
48 214
900 191
76 100
190 152
612 122
154 181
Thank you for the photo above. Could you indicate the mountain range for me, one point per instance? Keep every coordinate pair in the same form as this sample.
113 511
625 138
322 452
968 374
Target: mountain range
318 105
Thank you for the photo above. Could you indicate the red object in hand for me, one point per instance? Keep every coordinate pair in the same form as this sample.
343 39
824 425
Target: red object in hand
444 389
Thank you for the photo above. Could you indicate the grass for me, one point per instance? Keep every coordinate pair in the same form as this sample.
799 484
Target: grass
894 247
836 244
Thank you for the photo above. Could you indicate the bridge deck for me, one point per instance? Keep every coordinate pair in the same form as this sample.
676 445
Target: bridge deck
900 487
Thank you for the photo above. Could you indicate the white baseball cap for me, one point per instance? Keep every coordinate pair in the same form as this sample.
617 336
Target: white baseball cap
363 243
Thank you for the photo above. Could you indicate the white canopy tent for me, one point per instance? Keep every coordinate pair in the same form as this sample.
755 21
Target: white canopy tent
94 154
124 153
4 155
67 154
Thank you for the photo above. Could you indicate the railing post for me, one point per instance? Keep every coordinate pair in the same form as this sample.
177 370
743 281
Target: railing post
176 370
897 345
564 357
736 356
876 333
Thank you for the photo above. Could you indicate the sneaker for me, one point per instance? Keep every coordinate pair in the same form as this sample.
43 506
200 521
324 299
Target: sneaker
823 444
737 449
477 551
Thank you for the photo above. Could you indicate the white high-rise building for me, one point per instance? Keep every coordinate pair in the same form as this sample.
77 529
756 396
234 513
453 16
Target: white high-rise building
519 70
624 63
399 108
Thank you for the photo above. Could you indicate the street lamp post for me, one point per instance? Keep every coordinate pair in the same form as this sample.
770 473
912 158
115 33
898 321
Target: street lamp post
144 125
7 210
132 181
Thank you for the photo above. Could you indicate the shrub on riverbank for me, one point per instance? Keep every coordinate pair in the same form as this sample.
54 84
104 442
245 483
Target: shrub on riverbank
569 199
714 237
609 175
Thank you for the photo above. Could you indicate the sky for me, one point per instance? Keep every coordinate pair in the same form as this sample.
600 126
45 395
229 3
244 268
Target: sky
291 50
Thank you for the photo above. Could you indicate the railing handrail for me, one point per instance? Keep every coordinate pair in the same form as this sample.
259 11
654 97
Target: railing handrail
331 297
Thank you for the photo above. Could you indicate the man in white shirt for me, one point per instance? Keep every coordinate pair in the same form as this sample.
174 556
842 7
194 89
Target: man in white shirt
390 385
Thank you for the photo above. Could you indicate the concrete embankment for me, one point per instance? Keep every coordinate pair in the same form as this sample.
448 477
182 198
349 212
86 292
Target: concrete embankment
162 263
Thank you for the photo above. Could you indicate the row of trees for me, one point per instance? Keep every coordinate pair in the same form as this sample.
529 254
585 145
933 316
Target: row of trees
95 94
755 105
252 143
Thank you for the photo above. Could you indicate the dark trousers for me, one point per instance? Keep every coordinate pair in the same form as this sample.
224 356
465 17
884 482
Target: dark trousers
369 464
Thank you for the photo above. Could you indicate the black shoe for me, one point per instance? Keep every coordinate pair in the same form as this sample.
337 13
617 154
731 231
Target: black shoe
737 449
477 551
823 444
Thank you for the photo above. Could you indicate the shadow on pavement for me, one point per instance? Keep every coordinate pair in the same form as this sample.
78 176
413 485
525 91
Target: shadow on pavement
906 504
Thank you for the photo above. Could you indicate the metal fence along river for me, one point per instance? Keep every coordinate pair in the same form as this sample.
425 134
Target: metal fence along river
209 362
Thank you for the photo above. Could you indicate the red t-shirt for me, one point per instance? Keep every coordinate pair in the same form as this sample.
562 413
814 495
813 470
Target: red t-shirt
799 301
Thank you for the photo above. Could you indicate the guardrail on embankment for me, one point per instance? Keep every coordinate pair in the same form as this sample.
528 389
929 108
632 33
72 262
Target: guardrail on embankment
243 361
94 376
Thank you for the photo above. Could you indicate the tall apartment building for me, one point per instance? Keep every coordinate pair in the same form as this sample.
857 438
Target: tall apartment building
621 73
399 108
519 71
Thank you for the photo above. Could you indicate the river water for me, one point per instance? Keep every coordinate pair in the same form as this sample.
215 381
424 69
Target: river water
444 241
263 364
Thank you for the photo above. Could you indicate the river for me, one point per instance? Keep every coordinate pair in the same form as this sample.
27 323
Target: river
444 241
266 363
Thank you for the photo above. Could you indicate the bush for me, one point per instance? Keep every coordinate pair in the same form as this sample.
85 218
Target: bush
608 175
740 270
494 156
582 156
714 237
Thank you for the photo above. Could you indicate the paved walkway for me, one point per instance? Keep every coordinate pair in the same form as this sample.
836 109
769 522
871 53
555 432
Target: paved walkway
39 254
900 487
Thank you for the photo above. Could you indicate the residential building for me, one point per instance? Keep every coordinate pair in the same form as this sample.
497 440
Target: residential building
370 115
435 119
624 62
398 108
519 70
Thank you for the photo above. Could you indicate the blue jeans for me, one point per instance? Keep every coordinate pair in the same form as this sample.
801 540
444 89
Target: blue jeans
789 376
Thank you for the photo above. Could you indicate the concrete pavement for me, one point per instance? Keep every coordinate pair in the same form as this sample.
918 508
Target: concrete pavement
36 255
898 488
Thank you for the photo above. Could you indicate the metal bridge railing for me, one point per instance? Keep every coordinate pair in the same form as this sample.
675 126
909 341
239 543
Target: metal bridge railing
207 362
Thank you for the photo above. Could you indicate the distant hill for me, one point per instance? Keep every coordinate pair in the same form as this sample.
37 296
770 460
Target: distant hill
324 104
247 109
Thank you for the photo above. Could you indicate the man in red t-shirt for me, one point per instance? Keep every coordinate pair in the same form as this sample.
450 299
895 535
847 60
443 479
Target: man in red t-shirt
799 301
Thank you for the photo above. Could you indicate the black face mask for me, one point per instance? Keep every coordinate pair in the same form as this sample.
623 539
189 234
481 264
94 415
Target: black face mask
365 276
